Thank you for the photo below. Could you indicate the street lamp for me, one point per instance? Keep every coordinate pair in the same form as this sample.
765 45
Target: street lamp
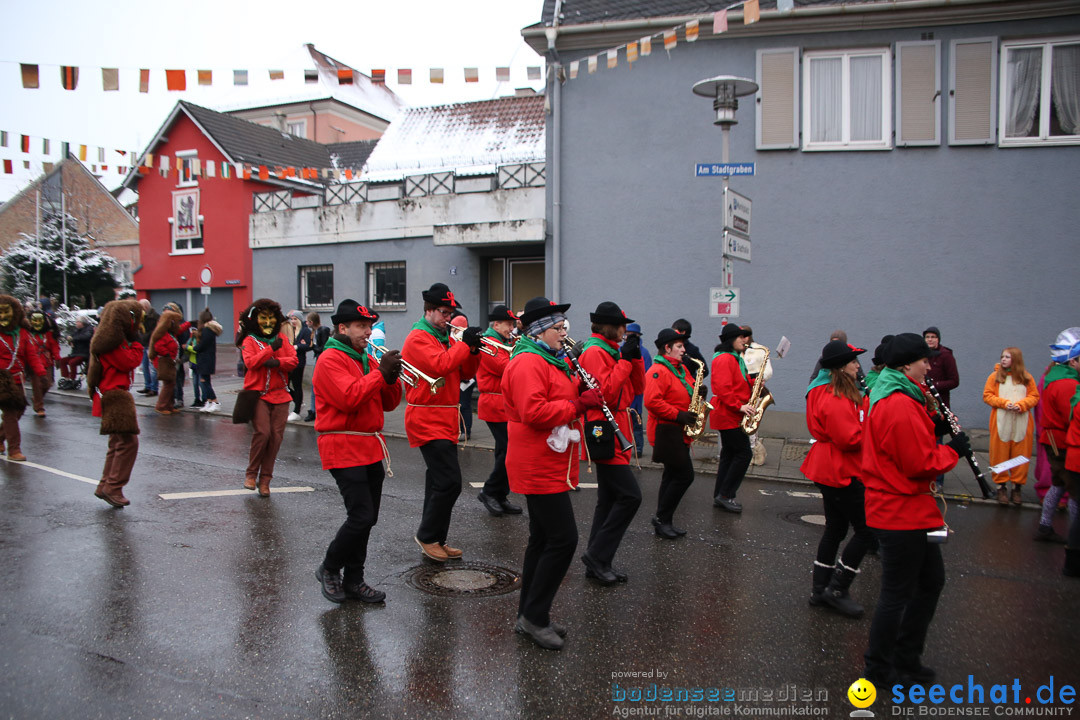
725 90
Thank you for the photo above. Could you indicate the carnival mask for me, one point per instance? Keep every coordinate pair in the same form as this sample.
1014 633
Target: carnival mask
37 321
267 322
6 315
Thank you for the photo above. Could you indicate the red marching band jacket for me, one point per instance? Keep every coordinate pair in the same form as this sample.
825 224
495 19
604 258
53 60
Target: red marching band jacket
900 458
348 400
1072 438
731 390
1055 401
46 347
491 407
665 397
836 424
435 417
620 382
539 397
167 349
17 355
117 368
272 382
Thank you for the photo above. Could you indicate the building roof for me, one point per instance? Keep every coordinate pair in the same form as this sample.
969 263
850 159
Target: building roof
350 154
375 99
460 137
73 161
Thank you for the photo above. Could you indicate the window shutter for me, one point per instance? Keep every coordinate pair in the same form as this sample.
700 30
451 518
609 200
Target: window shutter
972 91
918 93
778 99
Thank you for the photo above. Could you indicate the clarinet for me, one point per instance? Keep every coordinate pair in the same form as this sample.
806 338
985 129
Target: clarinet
954 430
860 380
589 380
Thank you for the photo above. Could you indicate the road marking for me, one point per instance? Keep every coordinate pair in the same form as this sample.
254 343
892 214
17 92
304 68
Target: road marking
583 486
54 471
226 493
791 493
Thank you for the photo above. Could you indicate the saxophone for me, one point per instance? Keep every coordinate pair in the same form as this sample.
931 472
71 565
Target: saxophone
757 400
698 404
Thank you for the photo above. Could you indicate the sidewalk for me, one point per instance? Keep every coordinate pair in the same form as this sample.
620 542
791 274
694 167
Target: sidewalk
786 440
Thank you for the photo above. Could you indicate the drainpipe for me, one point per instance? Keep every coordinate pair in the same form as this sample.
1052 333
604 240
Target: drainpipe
553 163
314 123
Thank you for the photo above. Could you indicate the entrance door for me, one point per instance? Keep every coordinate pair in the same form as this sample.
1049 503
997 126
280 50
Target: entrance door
514 281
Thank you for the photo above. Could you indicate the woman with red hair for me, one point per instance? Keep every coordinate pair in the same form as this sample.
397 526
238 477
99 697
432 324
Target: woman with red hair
1012 392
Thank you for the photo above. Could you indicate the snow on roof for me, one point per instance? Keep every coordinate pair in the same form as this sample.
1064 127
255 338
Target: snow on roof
363 94
460 137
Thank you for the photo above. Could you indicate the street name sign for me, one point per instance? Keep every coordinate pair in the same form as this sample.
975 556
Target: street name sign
736 246
723 302
723 169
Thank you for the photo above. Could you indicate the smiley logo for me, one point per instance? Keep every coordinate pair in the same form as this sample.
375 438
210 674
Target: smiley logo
862 693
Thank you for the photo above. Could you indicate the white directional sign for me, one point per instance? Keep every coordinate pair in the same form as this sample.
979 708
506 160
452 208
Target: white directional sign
736 246
723 302
737 212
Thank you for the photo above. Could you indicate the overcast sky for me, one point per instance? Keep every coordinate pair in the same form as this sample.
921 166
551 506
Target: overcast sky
224 35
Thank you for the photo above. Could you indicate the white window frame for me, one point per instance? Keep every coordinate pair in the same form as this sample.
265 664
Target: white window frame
899 109
1045 106
371 270
188 250
304 300
301 124
845 143
182 180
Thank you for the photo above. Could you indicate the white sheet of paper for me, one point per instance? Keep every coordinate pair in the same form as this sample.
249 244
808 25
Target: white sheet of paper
783 346
1009 464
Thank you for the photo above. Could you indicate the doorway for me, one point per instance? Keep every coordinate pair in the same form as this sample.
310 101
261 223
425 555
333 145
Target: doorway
514 281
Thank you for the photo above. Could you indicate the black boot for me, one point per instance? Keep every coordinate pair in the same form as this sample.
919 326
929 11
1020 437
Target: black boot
822 575
836 595
1072 562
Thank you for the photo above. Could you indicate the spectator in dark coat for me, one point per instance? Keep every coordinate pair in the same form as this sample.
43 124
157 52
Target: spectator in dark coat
682 327
149 372
319 335
942 364
206 359
80 349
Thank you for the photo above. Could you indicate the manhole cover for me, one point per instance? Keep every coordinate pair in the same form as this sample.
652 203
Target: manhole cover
801 518
463 580
795 453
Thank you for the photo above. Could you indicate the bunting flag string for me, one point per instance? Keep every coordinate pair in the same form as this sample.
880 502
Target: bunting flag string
176 80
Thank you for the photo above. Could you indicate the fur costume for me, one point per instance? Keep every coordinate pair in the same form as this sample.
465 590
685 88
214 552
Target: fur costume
249 318
169 322
119 324
1010 433
12 395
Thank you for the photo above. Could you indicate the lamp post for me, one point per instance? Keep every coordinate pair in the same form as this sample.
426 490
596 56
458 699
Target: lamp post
725 90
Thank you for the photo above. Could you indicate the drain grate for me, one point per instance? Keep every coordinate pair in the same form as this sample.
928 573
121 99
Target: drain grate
794 453
466 579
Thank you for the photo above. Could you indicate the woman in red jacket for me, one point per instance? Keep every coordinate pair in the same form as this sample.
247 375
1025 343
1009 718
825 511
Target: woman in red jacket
834 414
492 410
731 389
353 390
269 359
900 460
542 405
114 354
668 389
432 419
43 342
621 376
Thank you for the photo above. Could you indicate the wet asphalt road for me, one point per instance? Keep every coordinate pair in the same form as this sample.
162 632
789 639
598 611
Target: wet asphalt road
207 607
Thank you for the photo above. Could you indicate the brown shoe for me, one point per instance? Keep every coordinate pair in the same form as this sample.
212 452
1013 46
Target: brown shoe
100 491
264 486
116 499
451 552
39 413
249 483
432 551
1002 495
1016 499
16 455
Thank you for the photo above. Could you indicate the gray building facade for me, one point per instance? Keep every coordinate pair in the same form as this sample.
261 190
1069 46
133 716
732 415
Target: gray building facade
954 217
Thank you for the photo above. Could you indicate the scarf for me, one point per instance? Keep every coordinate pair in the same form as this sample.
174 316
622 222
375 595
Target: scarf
742 365
602 343
335 344
891 381
824 377
442 336
526 344
680 374
1060 371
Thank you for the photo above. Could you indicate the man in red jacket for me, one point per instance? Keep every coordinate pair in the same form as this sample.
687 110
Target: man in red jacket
731 389
492 409
16 357
431 413
1059 386
353 390
620 374
900 459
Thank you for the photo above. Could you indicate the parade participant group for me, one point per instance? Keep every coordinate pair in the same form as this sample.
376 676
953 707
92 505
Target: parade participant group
881 444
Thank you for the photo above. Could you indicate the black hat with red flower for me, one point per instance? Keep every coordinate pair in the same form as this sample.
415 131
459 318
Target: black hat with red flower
351 311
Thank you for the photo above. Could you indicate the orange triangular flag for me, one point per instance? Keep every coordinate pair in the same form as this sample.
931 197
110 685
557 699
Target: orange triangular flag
751 12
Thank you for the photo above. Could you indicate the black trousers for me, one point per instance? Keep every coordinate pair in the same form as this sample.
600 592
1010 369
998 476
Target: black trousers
618 497
361 489
296 387
442 485
844 507
552 540
912 577
735 456
497 484
674 483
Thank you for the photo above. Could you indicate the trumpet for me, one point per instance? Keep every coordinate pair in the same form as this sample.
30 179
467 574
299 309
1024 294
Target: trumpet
488 345
410 375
